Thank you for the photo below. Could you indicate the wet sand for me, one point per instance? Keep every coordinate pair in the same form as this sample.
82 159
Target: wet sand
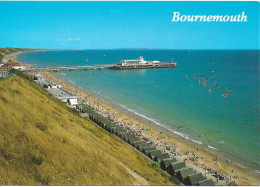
200 159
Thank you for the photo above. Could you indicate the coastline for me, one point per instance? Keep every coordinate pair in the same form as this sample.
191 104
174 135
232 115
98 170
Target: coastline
151 129
167 138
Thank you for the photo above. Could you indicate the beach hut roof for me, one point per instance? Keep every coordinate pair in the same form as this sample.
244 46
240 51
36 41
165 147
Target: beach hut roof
183 173
135 144
194 179
150 148
207 182
87 109
142 146
111 125
120 129
98 116
123 134
80 106
134 139
162 156
155 153
128 136
168 161
177 165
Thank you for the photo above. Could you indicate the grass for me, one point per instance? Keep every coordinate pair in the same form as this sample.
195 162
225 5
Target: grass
42 141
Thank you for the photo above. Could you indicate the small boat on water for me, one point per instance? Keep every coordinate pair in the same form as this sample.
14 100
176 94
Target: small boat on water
230 88
225 94
217 86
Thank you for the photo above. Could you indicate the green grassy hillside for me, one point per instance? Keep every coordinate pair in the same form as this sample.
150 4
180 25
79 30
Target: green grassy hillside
42 141
8 50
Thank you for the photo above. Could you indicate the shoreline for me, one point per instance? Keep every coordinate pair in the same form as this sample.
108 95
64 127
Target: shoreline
161 127
168 137
164 138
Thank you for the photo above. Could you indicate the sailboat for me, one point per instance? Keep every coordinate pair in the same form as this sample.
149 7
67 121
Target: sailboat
230 88
217 86
225 94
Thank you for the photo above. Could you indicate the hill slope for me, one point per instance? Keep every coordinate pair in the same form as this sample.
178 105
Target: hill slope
44 142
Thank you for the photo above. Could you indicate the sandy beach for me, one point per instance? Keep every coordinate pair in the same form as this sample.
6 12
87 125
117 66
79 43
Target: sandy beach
200 159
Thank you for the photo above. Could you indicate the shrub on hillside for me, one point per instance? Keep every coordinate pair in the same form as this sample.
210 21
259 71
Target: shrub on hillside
41 126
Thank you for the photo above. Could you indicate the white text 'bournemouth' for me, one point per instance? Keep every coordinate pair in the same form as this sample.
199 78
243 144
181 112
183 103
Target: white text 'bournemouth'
209 18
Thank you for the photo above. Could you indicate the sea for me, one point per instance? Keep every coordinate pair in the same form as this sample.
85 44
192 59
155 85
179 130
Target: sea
173 97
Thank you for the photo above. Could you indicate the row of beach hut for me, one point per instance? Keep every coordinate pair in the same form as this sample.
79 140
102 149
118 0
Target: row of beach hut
175 168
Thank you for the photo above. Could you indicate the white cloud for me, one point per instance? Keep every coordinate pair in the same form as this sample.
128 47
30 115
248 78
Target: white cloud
70 39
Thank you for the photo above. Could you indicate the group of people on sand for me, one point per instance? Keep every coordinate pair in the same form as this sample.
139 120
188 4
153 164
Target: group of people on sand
144 133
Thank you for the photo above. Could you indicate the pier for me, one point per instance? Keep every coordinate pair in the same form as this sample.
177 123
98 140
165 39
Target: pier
152 66
72 68
104 66
138 63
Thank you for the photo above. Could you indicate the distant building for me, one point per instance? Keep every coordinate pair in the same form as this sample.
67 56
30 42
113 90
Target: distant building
137 62
54 85
64 96
19 67
55 90
38 77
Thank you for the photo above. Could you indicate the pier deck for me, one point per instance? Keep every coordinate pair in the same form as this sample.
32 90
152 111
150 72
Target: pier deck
103 66
128 67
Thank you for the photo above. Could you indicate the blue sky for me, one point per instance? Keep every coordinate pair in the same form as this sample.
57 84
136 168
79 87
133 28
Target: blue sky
95 25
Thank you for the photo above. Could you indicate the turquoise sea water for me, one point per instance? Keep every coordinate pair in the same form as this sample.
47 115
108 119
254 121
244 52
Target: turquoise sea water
230 125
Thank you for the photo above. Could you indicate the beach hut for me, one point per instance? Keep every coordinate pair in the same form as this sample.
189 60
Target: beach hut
194 179
119 129
131 136
183 173
110 126
122 134
106 124
146 150
140 147
166 162
132 140
173 167
80 107
153 154
126 137
207 182
135 144
85 109
159 158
